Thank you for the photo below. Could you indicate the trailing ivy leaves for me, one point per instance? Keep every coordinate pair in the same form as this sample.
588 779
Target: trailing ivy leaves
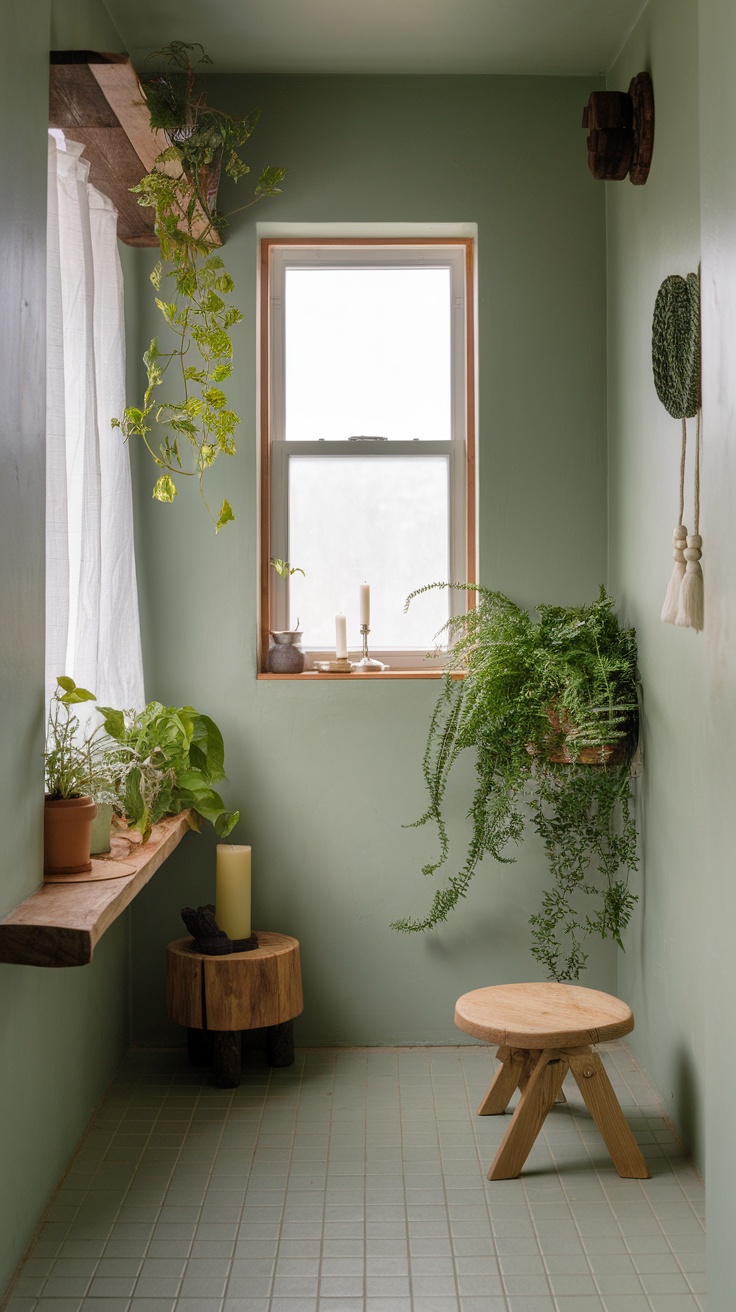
532 690
184 437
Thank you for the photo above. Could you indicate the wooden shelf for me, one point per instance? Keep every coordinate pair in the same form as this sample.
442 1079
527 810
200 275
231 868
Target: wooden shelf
60 924
97 99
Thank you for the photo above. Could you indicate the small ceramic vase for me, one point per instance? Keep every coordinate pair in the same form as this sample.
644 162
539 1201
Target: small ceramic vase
101 826
286 656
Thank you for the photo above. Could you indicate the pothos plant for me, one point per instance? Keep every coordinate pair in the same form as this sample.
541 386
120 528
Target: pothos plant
185 436
549 708
173 756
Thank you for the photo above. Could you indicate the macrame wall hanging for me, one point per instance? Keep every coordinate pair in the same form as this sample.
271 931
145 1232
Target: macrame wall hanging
676 365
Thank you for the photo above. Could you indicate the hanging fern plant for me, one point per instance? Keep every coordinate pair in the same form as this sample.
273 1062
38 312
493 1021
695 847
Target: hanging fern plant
549 708
185 436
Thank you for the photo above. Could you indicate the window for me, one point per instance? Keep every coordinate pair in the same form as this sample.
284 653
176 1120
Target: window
367 413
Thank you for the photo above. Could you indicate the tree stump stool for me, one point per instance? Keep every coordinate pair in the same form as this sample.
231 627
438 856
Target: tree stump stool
544 1030
219 997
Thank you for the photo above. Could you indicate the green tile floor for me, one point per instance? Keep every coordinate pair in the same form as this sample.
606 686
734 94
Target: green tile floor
356 1179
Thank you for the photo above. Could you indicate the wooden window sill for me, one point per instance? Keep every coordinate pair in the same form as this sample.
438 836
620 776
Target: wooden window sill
316 676
60 924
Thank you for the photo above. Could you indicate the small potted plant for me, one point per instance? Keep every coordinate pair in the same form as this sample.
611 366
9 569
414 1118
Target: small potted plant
286 656
69 767
548 706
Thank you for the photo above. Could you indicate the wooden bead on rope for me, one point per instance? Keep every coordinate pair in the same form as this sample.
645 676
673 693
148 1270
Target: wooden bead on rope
690 614
671 605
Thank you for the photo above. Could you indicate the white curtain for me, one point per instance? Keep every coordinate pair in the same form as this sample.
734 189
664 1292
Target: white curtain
92 625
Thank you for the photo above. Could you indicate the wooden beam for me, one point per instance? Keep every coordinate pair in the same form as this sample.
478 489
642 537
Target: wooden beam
97 99
80 108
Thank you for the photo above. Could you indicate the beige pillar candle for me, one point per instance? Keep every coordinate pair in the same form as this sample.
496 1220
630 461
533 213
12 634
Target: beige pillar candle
232 889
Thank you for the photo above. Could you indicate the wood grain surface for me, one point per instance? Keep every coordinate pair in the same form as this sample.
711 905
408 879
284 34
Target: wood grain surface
60 924
242 991
97 99
543 1015
535 1102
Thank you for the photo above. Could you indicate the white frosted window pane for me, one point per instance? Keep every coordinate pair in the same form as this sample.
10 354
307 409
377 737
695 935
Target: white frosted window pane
367 353
378 520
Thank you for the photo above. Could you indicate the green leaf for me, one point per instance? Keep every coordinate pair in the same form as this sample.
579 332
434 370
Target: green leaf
207 748
66 683
216 398
78 695
167 308
225 822
224 517
113 722
268 182
164 489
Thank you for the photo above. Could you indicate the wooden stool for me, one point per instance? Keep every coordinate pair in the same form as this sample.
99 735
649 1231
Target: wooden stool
545 1030
222 996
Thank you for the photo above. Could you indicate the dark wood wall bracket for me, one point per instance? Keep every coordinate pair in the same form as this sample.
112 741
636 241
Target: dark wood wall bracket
621 131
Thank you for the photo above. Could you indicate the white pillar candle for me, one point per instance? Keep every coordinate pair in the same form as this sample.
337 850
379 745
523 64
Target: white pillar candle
341 635
365 604
232 889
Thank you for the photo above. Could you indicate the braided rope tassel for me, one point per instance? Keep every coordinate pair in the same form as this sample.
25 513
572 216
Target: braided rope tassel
690 613
671 605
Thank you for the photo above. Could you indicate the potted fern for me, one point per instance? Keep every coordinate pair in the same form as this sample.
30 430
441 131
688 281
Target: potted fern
549 707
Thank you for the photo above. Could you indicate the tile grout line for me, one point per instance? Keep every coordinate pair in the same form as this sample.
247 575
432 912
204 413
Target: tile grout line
473 1116
249 1173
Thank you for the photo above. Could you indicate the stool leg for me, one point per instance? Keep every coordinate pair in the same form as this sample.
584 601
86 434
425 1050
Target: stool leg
605 1109
227 1058
199 1047
281 1044
538 1097
504 1083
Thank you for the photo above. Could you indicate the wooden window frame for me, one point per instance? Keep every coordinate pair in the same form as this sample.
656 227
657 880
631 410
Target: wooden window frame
270 244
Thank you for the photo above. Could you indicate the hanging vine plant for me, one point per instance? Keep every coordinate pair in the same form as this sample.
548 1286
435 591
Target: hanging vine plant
185 436
549 708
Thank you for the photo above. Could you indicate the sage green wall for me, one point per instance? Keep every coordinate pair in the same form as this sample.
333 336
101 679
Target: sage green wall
83 25
62 1032
715 749
679 970
326 774
653 231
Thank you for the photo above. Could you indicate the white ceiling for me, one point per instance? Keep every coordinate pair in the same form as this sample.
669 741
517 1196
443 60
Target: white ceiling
550 37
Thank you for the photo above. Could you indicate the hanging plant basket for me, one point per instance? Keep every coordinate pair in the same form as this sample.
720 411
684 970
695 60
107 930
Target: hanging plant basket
563 749
548 707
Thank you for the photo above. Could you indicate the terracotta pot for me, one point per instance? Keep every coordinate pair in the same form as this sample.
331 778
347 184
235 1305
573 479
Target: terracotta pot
67 832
